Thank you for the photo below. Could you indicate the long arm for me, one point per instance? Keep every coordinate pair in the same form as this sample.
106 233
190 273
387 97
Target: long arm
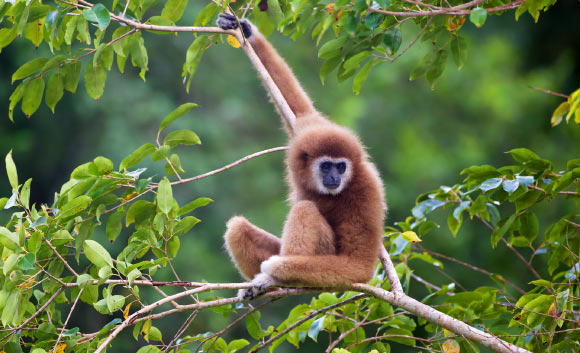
319 270
280 72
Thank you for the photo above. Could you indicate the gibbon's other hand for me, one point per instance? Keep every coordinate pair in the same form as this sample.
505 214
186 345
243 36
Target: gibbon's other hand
227 21
260 283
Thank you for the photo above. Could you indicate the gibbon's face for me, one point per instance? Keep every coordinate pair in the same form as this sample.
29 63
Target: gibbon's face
330 174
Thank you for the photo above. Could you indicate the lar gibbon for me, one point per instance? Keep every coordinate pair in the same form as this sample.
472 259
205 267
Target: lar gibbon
332 235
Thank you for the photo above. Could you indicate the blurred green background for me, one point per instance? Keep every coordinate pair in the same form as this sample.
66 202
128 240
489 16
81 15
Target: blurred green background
419 138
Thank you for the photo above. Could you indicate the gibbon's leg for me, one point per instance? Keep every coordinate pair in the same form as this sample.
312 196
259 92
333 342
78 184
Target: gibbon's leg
280 72
249 246
319 270
306 232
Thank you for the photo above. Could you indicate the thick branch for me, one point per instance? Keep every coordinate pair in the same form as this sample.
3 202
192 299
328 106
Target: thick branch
390 270
428 313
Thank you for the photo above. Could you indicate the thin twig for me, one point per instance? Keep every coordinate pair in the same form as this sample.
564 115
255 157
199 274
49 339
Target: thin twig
547 91
455 10
231 165
67 319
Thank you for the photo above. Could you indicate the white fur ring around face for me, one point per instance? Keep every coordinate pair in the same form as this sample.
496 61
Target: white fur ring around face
260 283
266 266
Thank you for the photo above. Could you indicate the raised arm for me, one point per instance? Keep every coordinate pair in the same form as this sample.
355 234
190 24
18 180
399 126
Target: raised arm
280 72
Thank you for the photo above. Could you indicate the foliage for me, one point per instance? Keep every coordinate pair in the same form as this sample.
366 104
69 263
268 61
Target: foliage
365 34
39 241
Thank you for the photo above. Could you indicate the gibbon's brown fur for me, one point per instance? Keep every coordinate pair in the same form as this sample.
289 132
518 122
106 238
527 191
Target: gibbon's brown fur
330 238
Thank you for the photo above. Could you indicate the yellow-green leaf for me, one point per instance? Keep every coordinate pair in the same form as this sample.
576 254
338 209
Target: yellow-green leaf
11 171
54 90
97 254
411 236
95 77
177 113
165 196
32 96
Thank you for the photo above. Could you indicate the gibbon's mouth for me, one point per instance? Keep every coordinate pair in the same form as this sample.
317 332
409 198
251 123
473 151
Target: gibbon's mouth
332 186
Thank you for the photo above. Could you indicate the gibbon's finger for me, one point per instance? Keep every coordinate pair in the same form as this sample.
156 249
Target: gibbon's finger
228 16
227 22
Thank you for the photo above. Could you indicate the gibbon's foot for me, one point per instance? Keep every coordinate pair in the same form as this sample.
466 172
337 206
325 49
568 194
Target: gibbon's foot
266 266
260 283
227 21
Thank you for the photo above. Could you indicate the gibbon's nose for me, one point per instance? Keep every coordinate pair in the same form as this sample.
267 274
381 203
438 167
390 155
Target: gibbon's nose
331 180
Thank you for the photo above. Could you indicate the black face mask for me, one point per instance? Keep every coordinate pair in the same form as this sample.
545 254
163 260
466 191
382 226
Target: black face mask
331 174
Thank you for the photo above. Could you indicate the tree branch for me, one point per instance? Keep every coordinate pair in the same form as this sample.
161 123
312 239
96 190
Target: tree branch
454 10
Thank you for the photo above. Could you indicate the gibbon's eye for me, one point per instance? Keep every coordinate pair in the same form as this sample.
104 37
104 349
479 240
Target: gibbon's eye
341 167
326 166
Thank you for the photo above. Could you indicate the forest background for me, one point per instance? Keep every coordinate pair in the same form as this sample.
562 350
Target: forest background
419 137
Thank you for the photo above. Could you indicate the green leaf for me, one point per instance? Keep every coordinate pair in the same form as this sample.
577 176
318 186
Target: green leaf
54 62
61 237
34 32
253 325
155 334
32 96
478 16
315 328
510 186
138 211
54 90
72 75
354 61
331 48
437 67
393 39
159 21
165 196
459 50
454 224
185 225
11 171
75 206
193 57
200 202
490 184
27 262
149 349
500 232
410 341
121 46
177 113
529 225
99 15
29 68
328 66
137 156
174 164
173 9
236 345
95 77
361 77
97 254
114 224
181 137
115 302
15 97
263 22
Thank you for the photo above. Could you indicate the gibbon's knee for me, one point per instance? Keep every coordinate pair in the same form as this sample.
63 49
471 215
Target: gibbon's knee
306 232
249 245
